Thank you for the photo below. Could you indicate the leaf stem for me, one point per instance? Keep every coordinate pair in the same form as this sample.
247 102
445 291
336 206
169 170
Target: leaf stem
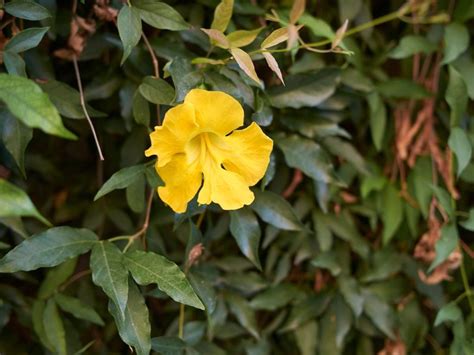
467 288
145 225
83 105
74 278
181 321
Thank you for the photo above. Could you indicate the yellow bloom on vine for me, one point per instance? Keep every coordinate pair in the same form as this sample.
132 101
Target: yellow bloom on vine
196 150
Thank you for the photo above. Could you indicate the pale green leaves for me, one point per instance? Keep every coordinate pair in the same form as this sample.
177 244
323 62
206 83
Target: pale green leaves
245 63
130 29
445 245
31 105
14 202
222 15
47 249
392 212
147 268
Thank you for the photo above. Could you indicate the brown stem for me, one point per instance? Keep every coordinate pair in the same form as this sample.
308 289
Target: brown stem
84 108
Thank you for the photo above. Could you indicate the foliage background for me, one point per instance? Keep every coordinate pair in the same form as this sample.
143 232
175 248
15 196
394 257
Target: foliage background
359 241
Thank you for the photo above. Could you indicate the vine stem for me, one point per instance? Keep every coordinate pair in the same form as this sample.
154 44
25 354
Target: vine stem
145 225
376 22
74 278
83 105
467 289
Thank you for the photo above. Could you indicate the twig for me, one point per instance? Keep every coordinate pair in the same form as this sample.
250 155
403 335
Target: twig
144 227
74 278
156 69
84 108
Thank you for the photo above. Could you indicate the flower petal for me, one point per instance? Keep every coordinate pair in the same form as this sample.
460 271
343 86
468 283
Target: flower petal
248 153
182 181
170 138
223 187
216 111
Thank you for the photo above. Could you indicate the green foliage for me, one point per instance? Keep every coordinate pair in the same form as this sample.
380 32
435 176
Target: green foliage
359 239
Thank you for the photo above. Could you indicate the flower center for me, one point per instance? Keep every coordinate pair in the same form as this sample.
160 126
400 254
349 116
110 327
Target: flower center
206 148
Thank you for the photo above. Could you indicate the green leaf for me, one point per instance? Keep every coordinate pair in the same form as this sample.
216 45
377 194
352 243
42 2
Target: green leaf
306 338
157 91
380 313
318 26
141 109
305 90
67 100
134 325
26 39
469 223
148 268
311 307
465 66
276 211
422 179
14 202
15 137
37 312
461 146
306 155
32 106
135 194
345 150
400 88
78 309
445 245
243 38
456 96
54 328
27 9
240 308
167 345
49 248
391 212
110 273
327 260
456 41
450 312
276 297
55 277
352 295
14 64
160 15
410 45
121 179
222 15
378 119
130 29
444 199
245 229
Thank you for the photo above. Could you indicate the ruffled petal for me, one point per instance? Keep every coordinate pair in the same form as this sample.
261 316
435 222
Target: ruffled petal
223 187
248 153
169 139
216 111
182 181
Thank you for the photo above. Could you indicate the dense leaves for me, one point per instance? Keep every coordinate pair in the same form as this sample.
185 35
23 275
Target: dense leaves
358 239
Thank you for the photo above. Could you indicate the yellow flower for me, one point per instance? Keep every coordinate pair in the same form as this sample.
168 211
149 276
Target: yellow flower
194 148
